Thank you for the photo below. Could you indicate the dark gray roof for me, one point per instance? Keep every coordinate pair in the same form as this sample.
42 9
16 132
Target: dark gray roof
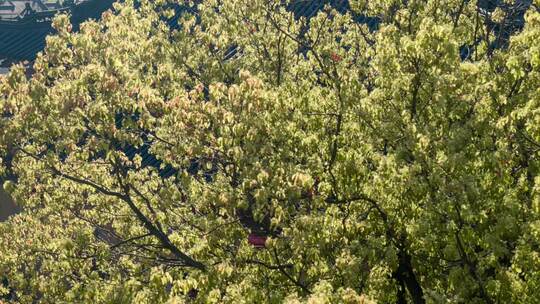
14 10
23 30
24 24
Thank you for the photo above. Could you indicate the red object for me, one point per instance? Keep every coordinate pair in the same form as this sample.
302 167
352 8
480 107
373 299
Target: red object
251 27
335 57
257 241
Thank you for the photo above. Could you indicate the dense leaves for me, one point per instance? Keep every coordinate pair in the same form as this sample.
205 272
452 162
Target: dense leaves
393 164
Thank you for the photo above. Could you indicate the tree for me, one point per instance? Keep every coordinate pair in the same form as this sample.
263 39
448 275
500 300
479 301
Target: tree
380 164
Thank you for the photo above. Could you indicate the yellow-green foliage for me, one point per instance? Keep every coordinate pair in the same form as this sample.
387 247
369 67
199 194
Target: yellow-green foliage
381 166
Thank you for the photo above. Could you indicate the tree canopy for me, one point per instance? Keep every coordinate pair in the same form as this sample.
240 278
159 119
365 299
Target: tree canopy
395 164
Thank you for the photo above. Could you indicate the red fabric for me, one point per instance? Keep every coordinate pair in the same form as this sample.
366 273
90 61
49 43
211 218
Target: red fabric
257 241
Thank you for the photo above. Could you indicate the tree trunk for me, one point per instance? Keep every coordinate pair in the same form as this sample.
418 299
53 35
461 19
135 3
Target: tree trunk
405 276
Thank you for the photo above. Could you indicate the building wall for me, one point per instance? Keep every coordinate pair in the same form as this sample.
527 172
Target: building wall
7 207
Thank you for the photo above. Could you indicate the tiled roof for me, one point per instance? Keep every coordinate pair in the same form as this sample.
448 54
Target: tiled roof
23 31
24 24
13 10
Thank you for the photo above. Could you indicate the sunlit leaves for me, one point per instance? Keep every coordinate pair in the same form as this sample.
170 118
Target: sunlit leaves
371 159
